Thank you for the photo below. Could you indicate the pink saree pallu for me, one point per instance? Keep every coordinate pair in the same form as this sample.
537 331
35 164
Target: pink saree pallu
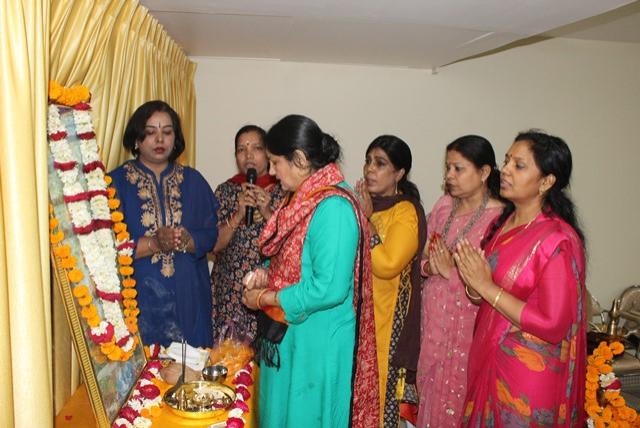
532 376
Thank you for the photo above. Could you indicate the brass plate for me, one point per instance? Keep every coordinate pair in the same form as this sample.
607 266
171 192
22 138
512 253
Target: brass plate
200 399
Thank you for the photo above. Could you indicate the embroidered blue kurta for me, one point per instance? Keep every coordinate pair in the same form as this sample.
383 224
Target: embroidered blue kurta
174 289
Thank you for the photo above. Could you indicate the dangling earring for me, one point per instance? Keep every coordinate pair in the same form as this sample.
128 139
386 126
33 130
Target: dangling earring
135 146
396 188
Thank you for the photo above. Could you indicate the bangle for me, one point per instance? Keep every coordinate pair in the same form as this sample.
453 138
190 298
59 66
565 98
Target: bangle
474 299
264 290
498 296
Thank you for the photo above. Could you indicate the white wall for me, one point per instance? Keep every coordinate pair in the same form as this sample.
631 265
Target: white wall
586 92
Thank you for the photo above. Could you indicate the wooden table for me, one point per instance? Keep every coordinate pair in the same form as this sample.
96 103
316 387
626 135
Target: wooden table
77 413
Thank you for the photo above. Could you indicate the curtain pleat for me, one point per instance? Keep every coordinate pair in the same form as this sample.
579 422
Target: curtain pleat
25 298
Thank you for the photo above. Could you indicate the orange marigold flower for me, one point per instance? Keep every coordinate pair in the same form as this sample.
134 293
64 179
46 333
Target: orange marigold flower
617 348
129 293
125 260
122 236
75 275
590 394
55 90
68 262
598 361
115 354
111 192
592 386
62 251
606 368
108 179
593 410
56 237
119 227
117 216
84 301
128 282
618 402
94 321
114 203
145 413
532 359
591 377
80 291
89 312
53 223
130 303
607 415
132 325
126 270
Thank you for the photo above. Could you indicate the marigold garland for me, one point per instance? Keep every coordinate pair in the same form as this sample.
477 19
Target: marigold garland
604 404
92 209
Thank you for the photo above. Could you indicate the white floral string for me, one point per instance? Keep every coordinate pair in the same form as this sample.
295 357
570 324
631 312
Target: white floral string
90 215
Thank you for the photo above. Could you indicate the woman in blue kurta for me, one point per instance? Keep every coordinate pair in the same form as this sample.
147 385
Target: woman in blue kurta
170 211
317 273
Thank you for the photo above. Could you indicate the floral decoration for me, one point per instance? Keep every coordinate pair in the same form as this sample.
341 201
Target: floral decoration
69 97
604 404
145 401
242 380
92 208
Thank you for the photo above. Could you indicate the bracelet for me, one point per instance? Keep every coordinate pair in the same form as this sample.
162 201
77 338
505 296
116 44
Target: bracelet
264 290
498 296
474 299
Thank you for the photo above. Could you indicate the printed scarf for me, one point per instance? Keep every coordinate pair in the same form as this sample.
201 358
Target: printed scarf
282 240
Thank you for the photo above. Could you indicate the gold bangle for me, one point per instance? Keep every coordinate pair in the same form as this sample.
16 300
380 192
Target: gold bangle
264 290
474 299
498 296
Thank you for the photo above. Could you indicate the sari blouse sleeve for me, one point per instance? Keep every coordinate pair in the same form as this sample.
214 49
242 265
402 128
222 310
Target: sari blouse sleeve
332 240
399 245
549 310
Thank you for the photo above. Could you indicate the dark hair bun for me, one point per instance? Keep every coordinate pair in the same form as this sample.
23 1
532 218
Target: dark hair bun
330 148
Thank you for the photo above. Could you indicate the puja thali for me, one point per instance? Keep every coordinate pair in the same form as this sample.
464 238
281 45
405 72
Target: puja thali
200 399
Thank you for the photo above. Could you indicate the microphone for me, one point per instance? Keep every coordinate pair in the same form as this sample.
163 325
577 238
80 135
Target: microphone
252 176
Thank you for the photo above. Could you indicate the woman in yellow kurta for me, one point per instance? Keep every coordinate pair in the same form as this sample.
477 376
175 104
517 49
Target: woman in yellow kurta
392 203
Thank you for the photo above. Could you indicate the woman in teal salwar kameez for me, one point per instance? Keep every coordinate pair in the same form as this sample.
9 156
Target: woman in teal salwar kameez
317 271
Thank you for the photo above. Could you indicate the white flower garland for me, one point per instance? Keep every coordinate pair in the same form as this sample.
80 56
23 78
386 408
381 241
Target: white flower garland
97 246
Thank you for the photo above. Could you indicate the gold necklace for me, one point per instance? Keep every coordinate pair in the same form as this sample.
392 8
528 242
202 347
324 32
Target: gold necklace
502 232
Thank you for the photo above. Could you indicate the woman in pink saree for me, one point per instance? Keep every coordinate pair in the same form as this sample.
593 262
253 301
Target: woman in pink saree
527 359
470 204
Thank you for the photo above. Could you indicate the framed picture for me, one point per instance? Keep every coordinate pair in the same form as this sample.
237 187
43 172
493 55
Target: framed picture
91 263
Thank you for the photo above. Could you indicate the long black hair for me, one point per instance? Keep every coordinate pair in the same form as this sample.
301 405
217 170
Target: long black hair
552 156
399 154
297 132
135 130
479 151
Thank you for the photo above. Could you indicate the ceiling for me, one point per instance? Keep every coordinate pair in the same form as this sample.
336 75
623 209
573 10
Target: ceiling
422 34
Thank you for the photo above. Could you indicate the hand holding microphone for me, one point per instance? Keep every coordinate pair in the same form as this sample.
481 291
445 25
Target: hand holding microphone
252 176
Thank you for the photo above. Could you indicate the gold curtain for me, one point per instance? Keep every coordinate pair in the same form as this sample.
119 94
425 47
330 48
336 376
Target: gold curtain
123 55
25 308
